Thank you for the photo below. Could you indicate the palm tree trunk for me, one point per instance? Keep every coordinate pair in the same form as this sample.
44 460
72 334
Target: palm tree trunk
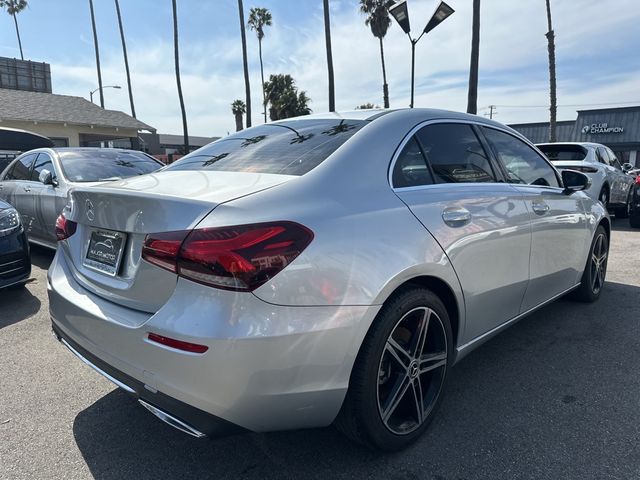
177 64
553 100
385 87
472 98
245 63
126 60
238 121
327 37
95 44
15 20
264 103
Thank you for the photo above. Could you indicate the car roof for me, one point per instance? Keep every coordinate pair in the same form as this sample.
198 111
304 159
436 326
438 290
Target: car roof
420 114
581 144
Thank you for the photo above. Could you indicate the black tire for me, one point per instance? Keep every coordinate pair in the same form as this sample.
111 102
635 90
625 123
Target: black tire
604 196
623 212
361 416
634 219
591 284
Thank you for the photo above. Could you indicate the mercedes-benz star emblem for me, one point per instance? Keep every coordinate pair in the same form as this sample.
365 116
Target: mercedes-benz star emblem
89 210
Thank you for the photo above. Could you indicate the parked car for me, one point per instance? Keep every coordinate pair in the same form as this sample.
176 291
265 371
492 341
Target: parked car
634 204
609 183
15 262
37 183
318 269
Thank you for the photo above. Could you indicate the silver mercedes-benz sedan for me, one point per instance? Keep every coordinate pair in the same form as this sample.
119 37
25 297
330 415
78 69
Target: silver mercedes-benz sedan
327 268
37 182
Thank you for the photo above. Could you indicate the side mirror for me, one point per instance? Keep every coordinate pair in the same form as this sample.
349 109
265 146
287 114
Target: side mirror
46 177
574 181
626 167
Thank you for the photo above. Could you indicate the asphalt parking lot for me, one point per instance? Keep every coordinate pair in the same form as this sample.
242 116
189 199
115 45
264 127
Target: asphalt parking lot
555 396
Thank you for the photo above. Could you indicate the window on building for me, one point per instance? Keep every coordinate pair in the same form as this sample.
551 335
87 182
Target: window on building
60 141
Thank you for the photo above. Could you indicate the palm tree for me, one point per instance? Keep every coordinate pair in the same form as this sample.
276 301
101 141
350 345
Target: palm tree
126 60
238 108
258 19
245 63
553 101
472 99
327 39
177 64
284 99
13 7
379 22
95 44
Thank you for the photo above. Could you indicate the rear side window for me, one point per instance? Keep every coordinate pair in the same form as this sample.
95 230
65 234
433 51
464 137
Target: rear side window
411 169
455 153
559 153
288 148
42 163
522 163
104 164
21 168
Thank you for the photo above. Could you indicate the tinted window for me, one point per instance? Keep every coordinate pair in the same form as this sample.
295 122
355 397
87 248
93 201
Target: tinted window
455 153
288 148
563 152
523 163
42 163
602 156
20 169
613 159
104 164
410 169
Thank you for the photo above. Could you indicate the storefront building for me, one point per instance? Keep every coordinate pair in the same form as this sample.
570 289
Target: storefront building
618 128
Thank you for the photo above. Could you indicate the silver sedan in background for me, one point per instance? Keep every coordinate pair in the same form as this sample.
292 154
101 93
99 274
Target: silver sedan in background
37 182
318 269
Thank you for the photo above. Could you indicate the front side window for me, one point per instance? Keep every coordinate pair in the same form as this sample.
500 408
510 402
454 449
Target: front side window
287 148
101 165
523 164
613 159
411 169
602 156
43 162
455 154
21 168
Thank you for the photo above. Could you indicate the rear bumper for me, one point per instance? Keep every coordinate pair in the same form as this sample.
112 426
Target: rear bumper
15 261
192 420
268 367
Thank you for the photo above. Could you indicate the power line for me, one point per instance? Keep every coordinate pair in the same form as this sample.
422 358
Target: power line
565 105
492 112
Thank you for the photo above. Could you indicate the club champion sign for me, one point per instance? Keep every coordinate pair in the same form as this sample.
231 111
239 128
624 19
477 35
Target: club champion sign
597 128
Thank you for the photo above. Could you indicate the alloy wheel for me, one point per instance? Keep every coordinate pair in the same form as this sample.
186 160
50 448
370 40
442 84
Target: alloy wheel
412 370
599 256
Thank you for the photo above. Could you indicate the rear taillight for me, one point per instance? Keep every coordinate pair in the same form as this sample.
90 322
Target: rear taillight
64 227
237 258
638 180
582 169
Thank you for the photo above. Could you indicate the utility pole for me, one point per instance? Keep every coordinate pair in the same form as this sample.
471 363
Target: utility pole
491 112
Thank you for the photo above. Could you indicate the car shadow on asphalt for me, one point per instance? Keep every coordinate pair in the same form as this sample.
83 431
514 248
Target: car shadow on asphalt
17 304
547 398
41 256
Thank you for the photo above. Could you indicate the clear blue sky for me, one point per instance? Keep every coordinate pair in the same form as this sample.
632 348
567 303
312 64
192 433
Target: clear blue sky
597 46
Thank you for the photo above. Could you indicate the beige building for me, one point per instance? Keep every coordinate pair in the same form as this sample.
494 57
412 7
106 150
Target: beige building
69 121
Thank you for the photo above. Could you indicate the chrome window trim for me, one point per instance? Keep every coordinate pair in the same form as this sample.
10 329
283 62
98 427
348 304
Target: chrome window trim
425 123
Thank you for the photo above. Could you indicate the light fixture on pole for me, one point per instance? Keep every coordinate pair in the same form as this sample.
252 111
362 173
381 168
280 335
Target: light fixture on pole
400 12
106 86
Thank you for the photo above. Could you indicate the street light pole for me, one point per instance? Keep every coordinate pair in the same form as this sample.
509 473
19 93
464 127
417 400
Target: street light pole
118 87
400 13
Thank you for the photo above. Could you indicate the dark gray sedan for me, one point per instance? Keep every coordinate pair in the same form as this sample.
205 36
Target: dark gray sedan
37 182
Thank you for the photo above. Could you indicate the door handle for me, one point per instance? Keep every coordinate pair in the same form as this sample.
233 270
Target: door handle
27 189
540 208
456 216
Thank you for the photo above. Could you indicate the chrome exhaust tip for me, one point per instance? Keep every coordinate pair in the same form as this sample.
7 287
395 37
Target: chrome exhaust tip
171 420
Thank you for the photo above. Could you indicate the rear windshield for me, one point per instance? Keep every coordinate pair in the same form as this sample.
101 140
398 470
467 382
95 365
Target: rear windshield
287 148
563 152
104 165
